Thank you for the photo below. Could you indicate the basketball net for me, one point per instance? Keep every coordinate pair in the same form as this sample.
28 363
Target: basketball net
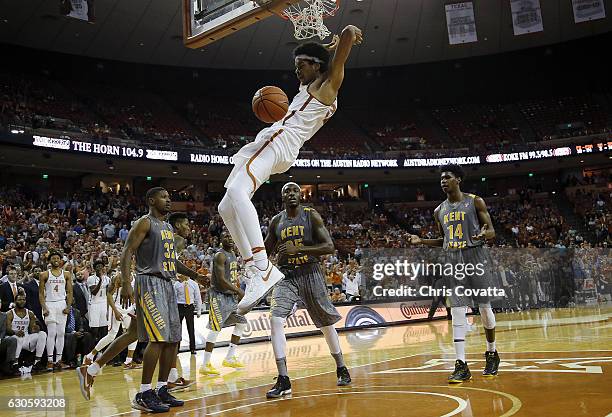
308 15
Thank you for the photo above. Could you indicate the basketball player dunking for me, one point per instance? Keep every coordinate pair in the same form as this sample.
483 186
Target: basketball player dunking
157 322
223 294
465 222
55 295
276 148
300 237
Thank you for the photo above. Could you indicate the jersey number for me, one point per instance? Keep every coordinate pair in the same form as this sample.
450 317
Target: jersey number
56 289
169 254
458 231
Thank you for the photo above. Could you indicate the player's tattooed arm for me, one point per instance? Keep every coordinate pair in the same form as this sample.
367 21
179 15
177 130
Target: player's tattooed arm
487 231
438 242
270 242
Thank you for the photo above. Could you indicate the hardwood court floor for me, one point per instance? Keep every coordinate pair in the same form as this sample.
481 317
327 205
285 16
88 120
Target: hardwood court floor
554 363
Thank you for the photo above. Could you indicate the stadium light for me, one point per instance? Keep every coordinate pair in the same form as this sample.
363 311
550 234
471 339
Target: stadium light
531 174
483 179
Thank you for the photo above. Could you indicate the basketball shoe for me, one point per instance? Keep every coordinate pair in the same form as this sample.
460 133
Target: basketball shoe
461 374
232 362
281 388
209 369
492 363
344 378
168 398
180 384
85 381
149 401
258 285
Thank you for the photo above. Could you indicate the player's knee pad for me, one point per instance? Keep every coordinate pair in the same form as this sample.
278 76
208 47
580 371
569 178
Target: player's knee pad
460 323
211 337
487 316
239 329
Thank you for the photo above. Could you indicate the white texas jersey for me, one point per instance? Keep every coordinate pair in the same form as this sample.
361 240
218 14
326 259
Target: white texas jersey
55 287
21 323
100 297
304 118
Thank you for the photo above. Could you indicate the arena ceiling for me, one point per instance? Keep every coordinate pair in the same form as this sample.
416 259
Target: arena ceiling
396 32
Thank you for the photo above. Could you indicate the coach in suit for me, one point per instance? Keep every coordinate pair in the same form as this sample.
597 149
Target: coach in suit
33 301
78 338
8 290
81 296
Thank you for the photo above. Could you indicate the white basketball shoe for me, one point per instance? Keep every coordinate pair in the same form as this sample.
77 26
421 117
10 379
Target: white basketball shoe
260 282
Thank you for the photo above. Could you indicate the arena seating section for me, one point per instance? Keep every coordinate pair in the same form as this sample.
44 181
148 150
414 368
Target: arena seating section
186 119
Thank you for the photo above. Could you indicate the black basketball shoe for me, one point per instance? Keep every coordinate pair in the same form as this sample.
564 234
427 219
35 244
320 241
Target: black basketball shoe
492 363
281 388
344 378
168 398
461 374
149 401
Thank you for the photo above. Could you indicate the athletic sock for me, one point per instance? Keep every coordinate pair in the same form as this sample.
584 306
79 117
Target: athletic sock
173 375
128 360
144 387
161 384
491 346
261 259
207 356
90 356
93 369
339 359
281 364
460 349
231 351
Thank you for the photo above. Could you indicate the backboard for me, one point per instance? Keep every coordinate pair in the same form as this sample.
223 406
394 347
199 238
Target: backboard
206 21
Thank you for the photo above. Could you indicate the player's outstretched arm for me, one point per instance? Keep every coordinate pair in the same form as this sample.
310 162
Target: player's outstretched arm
351 35
184 270
439 242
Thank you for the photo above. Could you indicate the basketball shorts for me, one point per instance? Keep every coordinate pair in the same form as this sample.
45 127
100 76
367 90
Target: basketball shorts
56 312
481 281
305 284
97 315
222 310
157 312
263 157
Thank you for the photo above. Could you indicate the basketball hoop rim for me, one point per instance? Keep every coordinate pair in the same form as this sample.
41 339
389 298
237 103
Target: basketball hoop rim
284 14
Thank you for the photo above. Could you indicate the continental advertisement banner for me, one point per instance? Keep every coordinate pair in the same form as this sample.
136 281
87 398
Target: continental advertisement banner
300 323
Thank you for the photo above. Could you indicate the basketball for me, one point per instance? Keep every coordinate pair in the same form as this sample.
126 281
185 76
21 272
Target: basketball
270 104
